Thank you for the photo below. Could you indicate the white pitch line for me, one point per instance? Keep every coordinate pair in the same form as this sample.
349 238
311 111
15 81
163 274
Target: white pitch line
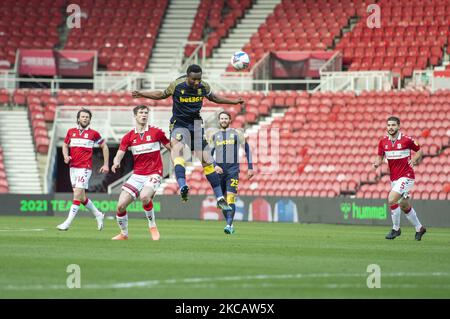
22 229
212 280
344 286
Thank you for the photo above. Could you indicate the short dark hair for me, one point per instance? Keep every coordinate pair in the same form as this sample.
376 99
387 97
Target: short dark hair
394 118
226 113
193 68
139 107
83 110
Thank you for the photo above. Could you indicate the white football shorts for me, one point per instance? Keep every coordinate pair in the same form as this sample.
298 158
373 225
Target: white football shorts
79 177
403 186
136 183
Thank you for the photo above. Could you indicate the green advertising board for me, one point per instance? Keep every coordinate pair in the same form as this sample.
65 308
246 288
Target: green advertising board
363 212
340 210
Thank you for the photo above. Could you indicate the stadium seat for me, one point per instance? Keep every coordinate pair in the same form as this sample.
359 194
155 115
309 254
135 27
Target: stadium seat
125 42
422 45
215 19
21 27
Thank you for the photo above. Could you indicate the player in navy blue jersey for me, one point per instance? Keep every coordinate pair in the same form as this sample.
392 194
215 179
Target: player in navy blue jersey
186 126
226 144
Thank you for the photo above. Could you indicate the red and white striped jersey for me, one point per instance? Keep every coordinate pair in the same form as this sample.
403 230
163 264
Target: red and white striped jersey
146 148
81 143
398 154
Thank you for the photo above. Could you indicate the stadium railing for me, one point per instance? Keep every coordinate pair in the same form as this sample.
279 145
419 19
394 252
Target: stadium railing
126 81
358 81
194 58
334 64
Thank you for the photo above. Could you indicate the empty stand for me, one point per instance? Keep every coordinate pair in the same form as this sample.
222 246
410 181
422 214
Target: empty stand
302 25
123 32
210 16
412 36
29 25
328 142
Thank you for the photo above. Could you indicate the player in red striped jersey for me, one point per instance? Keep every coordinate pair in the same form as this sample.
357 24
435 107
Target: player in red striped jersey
396 147
81 141
144 141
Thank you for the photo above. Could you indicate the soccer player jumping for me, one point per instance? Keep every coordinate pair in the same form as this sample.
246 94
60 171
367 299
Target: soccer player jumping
144 142
81 141
186 126
397 147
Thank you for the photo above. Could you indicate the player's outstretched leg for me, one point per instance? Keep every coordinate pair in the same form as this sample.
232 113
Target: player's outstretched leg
395 214
394 198
150 214
229 229
180 174
214 181
99 216
72 213
414 220
122 221
122 218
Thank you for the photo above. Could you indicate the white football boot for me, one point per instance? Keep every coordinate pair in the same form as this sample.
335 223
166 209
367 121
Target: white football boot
100 221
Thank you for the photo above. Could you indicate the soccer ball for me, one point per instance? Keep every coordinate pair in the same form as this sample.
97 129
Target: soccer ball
240 60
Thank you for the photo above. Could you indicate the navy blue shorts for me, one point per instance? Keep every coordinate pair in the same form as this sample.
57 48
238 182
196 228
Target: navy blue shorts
189 134
229 182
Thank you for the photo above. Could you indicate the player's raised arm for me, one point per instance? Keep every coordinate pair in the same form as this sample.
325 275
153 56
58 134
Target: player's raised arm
65 151
117 159
154 95
105 150
222 100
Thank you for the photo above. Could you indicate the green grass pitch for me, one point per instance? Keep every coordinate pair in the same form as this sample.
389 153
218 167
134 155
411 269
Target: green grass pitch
195 259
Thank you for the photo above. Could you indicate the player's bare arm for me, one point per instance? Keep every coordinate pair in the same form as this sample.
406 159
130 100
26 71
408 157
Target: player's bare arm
105 168
221 100
378 162
415 160
117 159
65 151
154 94
168 147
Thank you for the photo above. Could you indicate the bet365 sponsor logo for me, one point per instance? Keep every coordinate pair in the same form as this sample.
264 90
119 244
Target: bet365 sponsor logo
354 211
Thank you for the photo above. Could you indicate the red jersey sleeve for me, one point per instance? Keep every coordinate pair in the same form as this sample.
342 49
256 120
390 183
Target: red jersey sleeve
67 139
125 143
162 138
380 148
414 145
98 139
